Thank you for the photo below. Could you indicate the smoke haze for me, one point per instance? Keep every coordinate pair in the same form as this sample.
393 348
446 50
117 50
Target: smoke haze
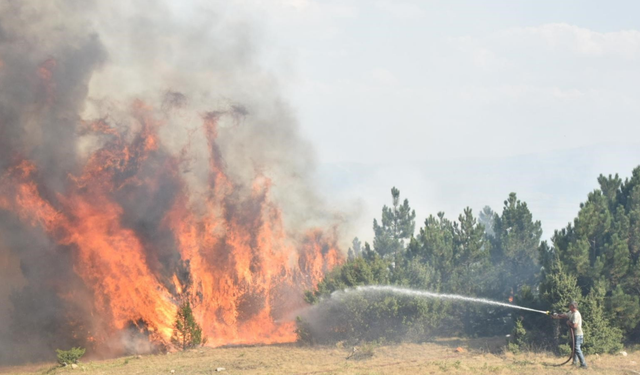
147 159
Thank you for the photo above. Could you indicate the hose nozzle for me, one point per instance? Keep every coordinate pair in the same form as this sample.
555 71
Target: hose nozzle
548 312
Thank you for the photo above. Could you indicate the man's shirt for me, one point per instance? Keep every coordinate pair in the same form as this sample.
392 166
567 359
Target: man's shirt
576 319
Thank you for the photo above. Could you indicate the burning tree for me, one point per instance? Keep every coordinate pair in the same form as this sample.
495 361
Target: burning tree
187 333
118 205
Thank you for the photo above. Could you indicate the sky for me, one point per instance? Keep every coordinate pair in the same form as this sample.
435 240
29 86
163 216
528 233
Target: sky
458 103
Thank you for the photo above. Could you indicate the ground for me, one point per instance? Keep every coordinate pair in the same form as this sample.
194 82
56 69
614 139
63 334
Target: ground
453 356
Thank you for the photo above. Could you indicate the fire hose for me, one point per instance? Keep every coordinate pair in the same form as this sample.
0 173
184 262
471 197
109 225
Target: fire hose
573 348
573 345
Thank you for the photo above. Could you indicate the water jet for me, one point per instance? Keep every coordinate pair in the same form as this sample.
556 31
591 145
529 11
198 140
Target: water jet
427 294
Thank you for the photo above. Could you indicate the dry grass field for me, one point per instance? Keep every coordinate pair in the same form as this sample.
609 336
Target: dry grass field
478 356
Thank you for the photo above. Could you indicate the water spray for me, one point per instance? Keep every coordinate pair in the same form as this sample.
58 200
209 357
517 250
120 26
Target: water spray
426 294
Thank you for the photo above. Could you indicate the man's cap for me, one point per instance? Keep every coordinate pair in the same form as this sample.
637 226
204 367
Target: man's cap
574 304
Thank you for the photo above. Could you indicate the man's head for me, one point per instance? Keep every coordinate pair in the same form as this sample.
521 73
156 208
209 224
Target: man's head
573 306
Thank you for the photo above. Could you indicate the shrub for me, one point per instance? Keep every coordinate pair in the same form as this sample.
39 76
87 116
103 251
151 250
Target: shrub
68 357
357 317
364 352
564 350
303 332
518 339
513 348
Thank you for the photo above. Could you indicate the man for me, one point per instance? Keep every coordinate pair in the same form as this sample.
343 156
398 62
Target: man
574 320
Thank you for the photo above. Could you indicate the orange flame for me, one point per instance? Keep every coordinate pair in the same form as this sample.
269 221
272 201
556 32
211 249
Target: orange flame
231 255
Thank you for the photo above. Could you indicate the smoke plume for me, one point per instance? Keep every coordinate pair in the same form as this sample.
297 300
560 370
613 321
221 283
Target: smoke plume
147 159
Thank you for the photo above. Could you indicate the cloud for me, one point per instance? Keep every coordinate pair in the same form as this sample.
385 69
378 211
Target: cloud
547 95
564 37
400 9
382 76
308 9
551 62
554 39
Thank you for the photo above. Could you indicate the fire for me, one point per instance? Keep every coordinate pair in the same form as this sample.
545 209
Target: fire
141 241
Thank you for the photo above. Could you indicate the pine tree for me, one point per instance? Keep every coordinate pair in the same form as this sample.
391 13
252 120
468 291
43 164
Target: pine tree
515 245
610 187
355 250
396 225
603 244
618 260
557 289
600 336
357 246
633 213
350 255
187 333
485 218
361 271
518 337
471 246
434 245
368 253
591 231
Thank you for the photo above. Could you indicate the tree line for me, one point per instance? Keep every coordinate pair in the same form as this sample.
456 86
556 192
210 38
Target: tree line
496 255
